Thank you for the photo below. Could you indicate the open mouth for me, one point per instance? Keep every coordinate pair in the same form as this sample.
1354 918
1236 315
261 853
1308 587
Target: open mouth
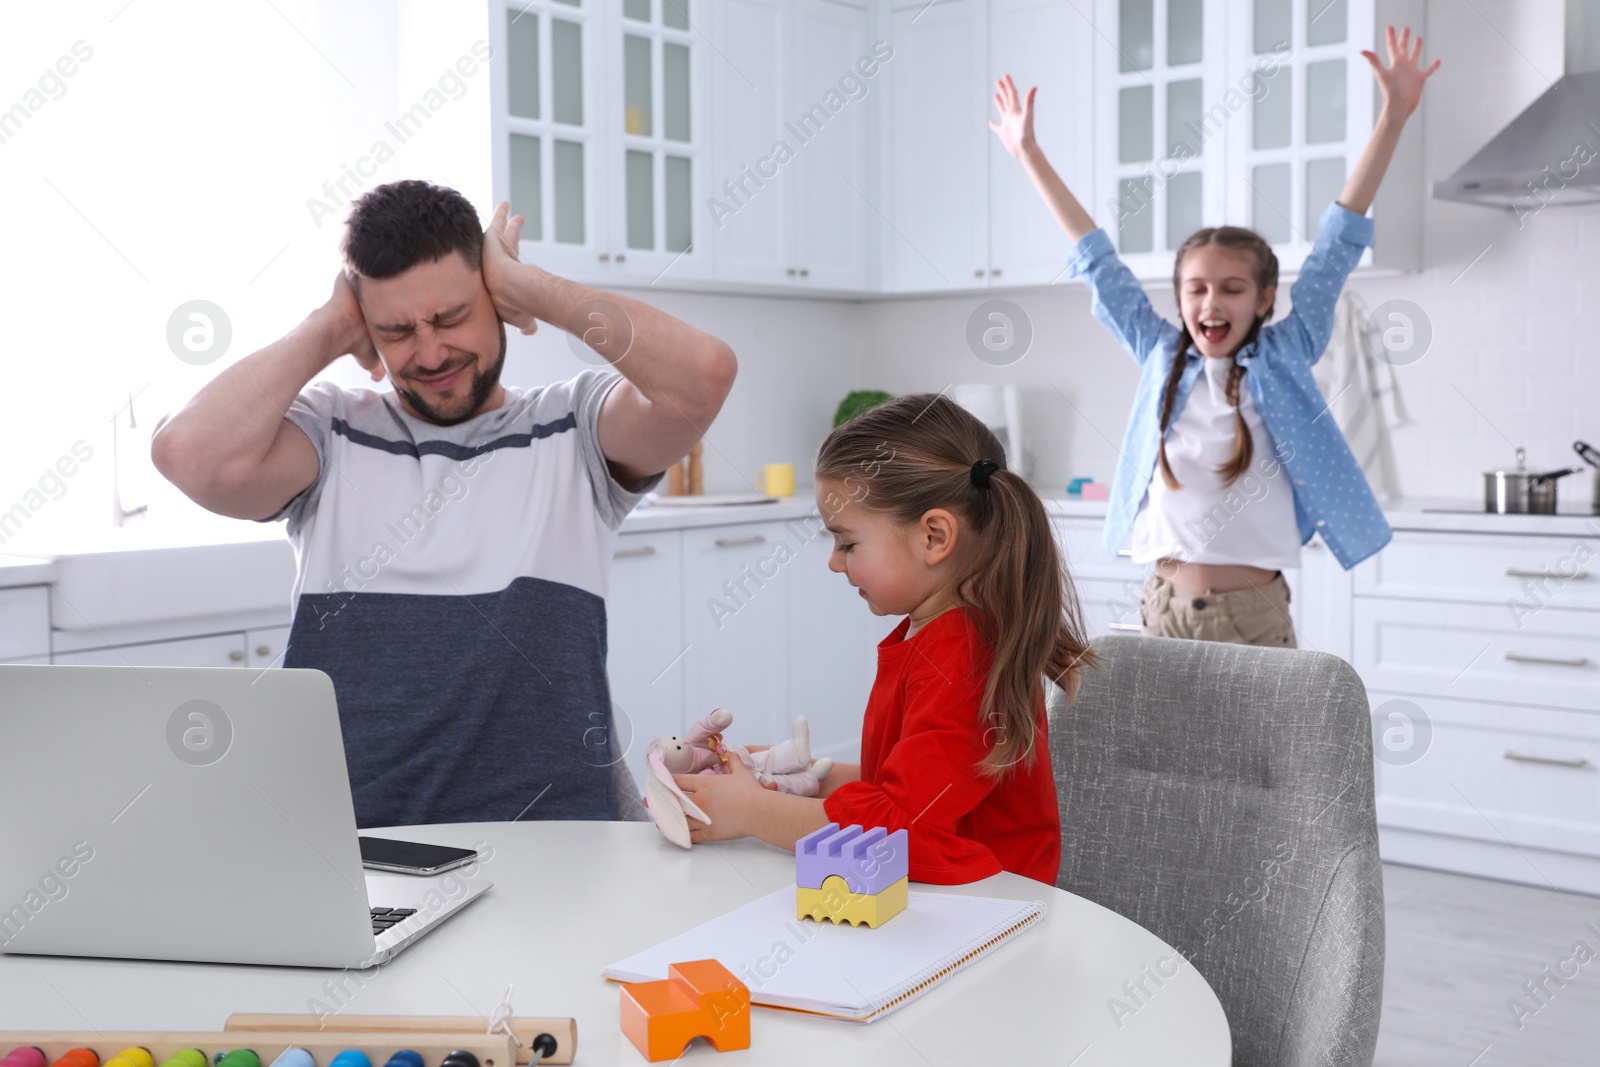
1214 331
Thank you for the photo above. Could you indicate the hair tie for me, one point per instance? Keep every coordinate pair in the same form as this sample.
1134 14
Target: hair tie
981 471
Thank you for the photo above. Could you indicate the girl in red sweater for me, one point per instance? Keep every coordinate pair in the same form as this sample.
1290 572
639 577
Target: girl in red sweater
928 523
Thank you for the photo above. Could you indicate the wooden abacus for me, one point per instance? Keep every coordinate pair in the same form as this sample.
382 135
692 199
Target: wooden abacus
378 1037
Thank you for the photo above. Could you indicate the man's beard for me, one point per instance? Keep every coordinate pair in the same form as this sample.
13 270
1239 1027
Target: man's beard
482 385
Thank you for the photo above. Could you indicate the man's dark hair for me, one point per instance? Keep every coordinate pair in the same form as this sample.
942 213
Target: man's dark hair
396 226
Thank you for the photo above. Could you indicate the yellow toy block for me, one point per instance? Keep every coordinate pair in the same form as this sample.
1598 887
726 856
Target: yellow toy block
835 903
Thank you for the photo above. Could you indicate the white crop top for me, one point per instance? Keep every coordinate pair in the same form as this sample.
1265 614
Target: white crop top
1252 522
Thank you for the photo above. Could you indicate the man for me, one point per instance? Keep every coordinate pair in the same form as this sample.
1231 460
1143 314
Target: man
453 537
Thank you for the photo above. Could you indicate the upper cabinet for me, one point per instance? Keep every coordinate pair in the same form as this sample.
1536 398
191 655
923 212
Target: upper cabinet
1251 114
601 129
789 86
843 146
957 211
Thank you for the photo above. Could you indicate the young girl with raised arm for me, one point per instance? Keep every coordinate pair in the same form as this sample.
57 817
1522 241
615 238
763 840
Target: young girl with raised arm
928 523
1218 537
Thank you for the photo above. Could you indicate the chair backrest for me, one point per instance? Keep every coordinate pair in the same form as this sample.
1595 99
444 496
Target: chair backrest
1221 796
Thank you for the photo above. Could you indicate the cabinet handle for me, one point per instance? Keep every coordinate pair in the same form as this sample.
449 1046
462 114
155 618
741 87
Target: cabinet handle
978 273
805 272
605 257
1554 661
1551 760
1125 553
1131 627
263 650
235 656
735 542
634 553
621 258
1516 572
995 273
791 272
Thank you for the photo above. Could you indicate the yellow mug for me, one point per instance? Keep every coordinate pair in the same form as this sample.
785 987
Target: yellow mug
777 479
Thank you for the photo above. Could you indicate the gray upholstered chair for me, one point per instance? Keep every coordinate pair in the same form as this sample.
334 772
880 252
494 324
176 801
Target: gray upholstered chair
1221 796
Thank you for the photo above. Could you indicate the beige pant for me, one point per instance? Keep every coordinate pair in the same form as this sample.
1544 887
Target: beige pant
1255 616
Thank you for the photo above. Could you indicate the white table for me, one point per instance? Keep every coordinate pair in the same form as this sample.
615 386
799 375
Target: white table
571 898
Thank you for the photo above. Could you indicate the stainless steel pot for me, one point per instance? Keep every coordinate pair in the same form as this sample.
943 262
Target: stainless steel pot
1591 455
1522 492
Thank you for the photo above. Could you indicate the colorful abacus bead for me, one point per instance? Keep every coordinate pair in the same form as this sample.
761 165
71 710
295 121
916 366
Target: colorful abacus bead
24 1056
137 1056
186 1057
351 1057
78 1057
459 1058
239 1057
405 1058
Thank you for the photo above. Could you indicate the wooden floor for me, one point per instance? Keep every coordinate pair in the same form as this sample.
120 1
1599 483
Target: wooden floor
1460 948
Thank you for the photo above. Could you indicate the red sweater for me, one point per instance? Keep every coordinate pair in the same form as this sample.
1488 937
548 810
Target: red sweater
921 743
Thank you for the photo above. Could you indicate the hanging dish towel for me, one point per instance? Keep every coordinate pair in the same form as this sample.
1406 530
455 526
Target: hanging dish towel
1362 393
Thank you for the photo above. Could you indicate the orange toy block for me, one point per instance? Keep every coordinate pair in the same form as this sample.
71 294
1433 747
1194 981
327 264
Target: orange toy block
701 998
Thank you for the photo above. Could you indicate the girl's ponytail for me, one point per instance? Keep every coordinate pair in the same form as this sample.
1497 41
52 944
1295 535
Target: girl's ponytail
917 453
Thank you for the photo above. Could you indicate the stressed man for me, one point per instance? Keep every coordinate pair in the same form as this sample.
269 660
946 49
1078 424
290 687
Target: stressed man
453 537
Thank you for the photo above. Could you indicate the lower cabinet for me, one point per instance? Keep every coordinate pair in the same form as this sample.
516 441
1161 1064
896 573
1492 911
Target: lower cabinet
737 582
1481 657
215 650
25 624
745 617
645 645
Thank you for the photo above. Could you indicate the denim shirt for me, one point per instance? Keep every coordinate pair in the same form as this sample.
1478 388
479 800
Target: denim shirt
1331 494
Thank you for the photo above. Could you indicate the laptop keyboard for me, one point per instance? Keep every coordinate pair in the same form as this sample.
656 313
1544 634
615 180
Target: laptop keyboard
383 918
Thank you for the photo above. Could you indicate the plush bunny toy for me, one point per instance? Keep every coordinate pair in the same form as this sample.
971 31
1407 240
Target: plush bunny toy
788 766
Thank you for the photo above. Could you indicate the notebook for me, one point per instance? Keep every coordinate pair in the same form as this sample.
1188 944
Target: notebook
847 972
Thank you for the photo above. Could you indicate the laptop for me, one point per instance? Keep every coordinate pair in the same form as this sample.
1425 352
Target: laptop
201 814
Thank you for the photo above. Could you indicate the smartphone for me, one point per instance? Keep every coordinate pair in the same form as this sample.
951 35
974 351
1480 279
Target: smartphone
411 857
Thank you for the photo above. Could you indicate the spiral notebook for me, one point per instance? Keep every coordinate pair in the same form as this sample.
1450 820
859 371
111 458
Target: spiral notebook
847 972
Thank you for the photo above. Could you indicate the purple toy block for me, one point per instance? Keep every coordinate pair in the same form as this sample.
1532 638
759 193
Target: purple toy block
869 862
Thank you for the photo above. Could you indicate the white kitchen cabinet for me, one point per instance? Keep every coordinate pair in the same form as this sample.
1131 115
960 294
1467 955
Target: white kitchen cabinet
933 210
736 597
749 216
1321 604
833 643
830 222
265 647
549 155
644 641
215 650
1249 114
600 127
790 109
1047 44
656 133
1160 168
24 623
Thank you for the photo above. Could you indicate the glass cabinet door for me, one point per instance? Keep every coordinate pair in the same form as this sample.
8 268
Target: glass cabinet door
656 134
1161 161
547 166
1311 111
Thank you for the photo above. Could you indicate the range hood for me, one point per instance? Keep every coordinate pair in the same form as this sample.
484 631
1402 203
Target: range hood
1550 154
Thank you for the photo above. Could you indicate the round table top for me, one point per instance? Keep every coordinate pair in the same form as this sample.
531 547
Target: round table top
571 898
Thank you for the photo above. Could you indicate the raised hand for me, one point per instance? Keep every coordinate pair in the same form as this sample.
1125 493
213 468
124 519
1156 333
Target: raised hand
1015 128
500 265
1402 80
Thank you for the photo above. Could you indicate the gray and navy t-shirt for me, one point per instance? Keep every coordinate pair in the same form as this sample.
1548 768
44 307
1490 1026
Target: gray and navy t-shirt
451 580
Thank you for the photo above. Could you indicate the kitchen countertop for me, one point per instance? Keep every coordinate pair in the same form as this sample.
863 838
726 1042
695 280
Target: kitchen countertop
25 570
